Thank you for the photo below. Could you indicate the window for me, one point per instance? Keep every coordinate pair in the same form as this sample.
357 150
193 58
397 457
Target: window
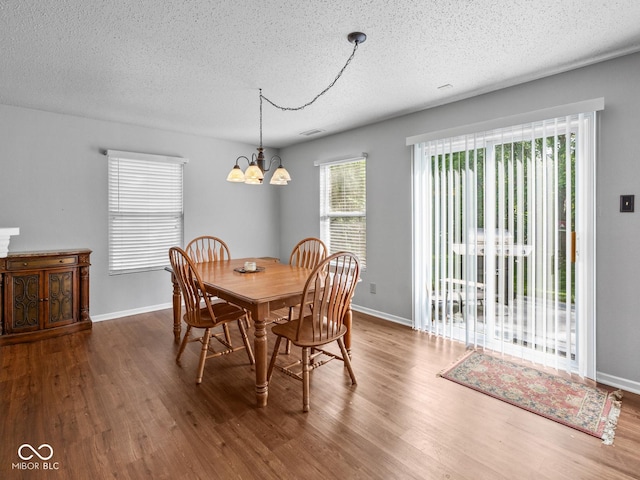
145 210
343 206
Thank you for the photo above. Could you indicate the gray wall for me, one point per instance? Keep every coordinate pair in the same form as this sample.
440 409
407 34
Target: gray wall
54 188
389 197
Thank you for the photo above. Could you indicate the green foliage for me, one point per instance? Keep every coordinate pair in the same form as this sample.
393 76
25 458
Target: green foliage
519 168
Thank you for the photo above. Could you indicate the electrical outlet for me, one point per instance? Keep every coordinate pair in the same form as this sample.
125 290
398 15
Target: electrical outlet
372 288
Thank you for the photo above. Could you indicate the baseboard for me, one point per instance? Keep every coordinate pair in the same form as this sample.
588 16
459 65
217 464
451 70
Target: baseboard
133 311
385 316
622 383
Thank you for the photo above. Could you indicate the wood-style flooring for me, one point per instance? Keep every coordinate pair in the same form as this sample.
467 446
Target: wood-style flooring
113 404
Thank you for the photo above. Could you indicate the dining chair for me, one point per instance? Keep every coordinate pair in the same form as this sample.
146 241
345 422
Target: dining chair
210 249
207 249
213 314
319 321
307 253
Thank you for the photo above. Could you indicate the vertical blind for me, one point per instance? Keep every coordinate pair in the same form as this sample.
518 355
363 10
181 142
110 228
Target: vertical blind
343 206
145 210
495 216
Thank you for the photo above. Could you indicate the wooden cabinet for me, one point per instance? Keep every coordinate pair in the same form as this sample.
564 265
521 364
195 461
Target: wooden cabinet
43 294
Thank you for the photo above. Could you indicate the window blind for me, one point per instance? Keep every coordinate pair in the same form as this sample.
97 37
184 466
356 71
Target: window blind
343 206
145 210
500 218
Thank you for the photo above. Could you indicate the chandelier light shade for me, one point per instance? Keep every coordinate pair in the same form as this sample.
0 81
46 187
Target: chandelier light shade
257 166
280 176
236 174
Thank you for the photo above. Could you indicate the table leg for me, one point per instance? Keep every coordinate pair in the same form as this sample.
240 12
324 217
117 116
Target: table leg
176 309
260 347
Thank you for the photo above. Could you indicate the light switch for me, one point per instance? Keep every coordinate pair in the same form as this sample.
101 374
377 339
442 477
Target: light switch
626 203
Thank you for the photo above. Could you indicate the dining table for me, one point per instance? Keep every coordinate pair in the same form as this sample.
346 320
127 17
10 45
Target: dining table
272 286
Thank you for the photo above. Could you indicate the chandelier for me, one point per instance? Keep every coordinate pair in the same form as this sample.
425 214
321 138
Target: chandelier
257 166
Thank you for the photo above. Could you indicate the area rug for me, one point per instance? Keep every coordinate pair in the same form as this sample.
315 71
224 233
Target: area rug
588 409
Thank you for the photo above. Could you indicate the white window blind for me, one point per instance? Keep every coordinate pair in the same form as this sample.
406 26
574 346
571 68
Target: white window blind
145 210
343 206
503 220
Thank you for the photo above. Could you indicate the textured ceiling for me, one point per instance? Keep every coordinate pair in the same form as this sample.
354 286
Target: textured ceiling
196 66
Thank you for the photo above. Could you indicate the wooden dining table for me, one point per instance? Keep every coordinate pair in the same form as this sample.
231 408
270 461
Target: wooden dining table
275 285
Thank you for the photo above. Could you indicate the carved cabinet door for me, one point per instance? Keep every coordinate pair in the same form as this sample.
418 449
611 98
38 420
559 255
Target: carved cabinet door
41 299
60 304
22 302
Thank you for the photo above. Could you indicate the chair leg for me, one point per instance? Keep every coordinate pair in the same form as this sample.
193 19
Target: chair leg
183 344
272 363
287 345
247 319
245 339
227 334
305 379
203 354
347 360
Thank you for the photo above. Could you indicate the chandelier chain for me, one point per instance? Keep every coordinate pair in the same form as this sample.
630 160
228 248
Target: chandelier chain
355 47
260 118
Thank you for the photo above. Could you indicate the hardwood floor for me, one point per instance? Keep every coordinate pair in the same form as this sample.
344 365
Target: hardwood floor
112 403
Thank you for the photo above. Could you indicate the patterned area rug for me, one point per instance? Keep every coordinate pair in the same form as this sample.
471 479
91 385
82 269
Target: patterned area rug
588 409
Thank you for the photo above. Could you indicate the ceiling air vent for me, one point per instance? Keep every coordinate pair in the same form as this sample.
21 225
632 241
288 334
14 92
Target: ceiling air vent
309 133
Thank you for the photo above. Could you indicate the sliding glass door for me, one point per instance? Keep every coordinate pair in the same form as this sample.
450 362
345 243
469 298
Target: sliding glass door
497 223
